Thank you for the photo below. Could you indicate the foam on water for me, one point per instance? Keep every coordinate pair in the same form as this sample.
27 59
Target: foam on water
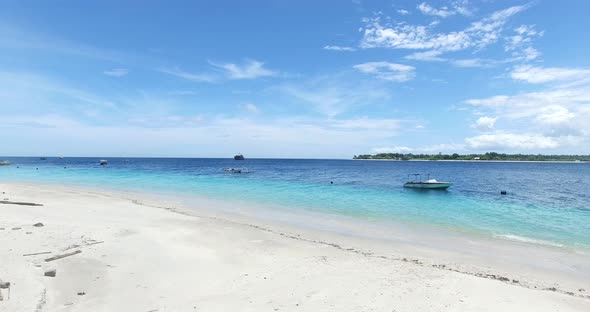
528 240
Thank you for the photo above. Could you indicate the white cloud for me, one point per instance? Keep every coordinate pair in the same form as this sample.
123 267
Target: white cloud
558 114
532 74
521 43
505 140
250 70
393 149
426 149
116 72
366 123
186 75
475 62
443 12
252 108
554 115
405 36
403 12
387 71
485 123
338 48
430 56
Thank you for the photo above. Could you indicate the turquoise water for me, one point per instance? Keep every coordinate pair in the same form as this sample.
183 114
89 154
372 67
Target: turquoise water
546 202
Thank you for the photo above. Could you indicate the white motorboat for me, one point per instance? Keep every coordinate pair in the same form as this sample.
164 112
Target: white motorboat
415 181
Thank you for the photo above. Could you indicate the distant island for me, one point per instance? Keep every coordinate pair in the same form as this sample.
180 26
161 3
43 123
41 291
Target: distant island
474 157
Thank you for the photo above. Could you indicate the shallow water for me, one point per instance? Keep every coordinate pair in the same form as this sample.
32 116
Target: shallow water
547 203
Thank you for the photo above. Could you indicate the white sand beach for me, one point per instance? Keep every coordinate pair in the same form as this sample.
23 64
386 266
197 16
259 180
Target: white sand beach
140 255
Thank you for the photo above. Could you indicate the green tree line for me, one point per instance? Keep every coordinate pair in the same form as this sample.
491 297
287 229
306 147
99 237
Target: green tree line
486 156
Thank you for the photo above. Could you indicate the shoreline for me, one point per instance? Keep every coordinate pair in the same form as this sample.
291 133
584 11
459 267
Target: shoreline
145 216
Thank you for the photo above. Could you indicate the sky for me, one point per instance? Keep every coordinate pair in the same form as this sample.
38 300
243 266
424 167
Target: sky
293 79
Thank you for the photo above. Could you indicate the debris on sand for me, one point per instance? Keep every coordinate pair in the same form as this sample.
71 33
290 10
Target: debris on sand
37 253
50 273
6 202
4 285
63 255
38 224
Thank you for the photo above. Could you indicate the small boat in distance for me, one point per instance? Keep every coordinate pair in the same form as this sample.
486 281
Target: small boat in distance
103 162
415 181
4 163
239 157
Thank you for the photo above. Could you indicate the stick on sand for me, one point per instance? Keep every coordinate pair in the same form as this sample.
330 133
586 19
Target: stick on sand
37 253
63 255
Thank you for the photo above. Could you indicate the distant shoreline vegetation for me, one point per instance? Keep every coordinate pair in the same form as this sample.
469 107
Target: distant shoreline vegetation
485 157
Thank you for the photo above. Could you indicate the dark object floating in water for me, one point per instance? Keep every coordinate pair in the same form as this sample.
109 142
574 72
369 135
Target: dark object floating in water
239 157
103 162
236 170
503 193
430 184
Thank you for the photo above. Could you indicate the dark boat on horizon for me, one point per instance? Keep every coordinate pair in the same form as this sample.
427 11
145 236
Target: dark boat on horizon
239 157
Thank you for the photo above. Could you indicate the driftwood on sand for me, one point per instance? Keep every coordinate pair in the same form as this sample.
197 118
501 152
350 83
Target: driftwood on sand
56 257
94 243
37 253
7 202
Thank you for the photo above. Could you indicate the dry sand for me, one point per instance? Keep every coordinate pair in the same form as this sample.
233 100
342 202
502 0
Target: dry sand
143 257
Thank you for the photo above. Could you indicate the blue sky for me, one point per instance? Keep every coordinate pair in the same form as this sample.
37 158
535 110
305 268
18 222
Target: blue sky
318 79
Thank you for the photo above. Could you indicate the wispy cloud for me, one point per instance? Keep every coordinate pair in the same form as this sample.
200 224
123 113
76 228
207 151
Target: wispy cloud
24 91
250 107
17 38
332 95
403 12
175 71
429 56
116 72
338 48
474 62
251 69
387 71
535 74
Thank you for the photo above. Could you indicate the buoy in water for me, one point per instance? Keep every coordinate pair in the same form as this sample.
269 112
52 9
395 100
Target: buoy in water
503 192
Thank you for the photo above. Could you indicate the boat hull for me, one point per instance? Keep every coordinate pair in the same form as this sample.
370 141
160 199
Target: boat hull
428 186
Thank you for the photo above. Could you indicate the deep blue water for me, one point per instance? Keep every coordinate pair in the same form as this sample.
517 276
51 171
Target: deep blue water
547 202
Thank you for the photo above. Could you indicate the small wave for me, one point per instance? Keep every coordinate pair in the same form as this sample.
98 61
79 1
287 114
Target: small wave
528 240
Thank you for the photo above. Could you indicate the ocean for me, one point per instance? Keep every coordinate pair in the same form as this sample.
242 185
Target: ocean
546 203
